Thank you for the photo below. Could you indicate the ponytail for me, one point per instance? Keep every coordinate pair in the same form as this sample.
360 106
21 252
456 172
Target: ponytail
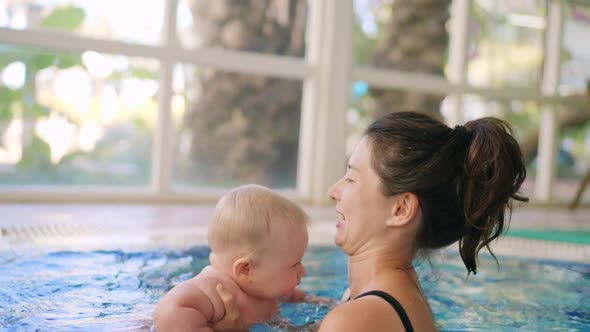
493 173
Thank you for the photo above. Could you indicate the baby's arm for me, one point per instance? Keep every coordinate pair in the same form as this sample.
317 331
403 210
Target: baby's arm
184 308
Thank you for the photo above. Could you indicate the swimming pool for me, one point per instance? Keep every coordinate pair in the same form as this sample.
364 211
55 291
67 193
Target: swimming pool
117 290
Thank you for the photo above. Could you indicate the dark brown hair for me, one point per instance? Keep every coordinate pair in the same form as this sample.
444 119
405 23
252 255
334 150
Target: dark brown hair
465 178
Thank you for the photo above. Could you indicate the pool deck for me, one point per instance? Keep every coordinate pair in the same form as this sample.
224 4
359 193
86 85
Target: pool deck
98 226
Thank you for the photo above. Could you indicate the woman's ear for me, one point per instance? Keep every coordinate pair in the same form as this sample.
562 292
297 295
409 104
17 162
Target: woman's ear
405 208
242 269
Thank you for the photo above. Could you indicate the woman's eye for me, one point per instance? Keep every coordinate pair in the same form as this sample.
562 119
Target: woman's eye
348 180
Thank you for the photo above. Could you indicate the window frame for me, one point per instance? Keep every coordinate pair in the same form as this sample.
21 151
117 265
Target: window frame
327 72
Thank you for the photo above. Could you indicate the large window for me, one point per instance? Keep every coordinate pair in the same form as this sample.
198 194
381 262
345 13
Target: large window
177 99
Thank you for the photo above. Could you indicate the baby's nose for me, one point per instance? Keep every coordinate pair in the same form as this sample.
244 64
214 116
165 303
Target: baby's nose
303 271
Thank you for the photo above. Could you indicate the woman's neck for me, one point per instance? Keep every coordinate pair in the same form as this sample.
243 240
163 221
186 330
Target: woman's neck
367 268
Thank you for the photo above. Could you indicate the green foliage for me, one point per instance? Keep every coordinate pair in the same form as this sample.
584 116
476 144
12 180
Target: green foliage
40 111
7 98
41 61
64 18
64 61
364 47
36 155
35 165
484 20
134 72
10 54
577 132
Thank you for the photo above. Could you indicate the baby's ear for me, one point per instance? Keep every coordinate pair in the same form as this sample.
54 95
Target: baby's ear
242 269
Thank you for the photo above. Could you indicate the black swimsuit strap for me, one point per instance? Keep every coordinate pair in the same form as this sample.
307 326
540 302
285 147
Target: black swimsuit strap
395 304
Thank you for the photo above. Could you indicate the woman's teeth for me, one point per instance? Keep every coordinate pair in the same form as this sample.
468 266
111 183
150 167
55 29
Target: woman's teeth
340 219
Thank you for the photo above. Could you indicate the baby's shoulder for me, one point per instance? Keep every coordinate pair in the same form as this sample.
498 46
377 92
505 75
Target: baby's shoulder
207 280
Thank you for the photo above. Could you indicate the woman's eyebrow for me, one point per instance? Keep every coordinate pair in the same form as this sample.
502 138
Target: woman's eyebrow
352 168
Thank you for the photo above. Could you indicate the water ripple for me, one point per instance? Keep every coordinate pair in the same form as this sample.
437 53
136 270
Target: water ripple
117 290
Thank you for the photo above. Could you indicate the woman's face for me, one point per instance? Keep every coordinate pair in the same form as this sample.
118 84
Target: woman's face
362 208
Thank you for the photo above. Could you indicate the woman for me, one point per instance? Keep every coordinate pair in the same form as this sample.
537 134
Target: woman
413 185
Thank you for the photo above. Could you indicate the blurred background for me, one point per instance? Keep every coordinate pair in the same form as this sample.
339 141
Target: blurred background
178 100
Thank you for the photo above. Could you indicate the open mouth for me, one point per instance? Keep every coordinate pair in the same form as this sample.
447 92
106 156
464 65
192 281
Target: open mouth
341 219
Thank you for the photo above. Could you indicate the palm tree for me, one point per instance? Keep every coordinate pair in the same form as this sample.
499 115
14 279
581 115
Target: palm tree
414 39
245 128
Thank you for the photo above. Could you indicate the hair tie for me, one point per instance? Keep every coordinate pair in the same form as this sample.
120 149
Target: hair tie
464 134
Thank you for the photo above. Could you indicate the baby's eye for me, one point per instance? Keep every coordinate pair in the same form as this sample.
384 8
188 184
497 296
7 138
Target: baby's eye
296 264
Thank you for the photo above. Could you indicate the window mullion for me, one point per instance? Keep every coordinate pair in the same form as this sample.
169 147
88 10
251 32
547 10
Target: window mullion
162 143
333 90
548 127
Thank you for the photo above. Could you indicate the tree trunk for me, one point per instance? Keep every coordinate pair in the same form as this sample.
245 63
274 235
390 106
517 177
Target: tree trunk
245 128
416 40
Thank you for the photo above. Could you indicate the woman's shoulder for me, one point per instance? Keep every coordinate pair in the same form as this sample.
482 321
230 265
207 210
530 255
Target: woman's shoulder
362 314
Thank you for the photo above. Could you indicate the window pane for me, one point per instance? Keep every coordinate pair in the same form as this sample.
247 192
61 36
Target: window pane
75 119
104 19
403 35
234 129
523 116
506 43
573 157
369 103
272 26
575 58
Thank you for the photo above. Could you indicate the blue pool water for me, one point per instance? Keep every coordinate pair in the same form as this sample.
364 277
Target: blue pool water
117 290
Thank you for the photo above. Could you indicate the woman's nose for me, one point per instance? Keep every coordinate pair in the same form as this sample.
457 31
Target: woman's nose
333 191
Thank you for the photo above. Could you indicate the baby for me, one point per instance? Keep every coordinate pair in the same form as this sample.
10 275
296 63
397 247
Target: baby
257 240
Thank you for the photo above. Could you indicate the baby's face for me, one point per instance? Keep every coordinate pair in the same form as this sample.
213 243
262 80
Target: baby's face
280 270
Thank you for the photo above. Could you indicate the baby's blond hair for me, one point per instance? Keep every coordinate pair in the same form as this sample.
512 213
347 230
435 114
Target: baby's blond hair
248 216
